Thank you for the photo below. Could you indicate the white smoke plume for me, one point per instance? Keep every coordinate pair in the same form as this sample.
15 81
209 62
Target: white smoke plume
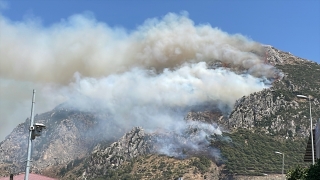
191 138
148 77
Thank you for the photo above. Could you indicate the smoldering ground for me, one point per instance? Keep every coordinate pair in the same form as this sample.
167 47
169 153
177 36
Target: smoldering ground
147 77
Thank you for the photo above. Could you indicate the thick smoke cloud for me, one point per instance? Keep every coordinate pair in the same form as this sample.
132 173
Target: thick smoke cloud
149 77
80 44
143 95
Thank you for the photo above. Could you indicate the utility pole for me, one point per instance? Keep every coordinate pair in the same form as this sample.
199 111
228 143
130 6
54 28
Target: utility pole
311 133
311 127
35 129
282 161
31 128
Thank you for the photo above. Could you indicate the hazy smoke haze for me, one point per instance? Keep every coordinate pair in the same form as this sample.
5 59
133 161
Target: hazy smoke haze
148 77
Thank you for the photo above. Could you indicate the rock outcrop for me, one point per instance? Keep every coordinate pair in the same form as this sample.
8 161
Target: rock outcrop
103 158
272 112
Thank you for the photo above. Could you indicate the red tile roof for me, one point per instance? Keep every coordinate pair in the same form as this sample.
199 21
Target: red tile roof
31 177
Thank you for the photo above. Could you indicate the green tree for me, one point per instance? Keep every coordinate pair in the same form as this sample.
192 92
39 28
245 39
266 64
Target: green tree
314 171
300 173
297 173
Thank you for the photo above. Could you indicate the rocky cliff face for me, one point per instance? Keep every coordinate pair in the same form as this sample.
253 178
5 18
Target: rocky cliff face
103 158
70 134
108 160
273 113
276 111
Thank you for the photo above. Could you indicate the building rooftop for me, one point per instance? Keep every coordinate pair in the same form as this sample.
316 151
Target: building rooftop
31 177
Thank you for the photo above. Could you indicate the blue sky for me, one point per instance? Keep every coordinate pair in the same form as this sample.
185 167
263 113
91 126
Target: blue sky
288 25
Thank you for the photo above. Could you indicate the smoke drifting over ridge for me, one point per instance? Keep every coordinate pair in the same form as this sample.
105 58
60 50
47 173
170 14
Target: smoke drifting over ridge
80 44
149 77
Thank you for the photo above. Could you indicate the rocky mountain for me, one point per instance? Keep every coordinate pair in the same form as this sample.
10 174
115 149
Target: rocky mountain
76 145
277 108
278 111
273 119
69 135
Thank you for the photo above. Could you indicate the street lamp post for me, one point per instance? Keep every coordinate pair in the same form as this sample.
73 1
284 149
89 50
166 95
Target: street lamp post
35 129
31 128
282 160
311 133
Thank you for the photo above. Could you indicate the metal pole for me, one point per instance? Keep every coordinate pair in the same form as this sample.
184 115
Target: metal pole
311 130
31 128
282 163
312 146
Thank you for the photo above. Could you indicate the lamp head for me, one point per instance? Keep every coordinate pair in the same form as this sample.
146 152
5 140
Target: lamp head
302 96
